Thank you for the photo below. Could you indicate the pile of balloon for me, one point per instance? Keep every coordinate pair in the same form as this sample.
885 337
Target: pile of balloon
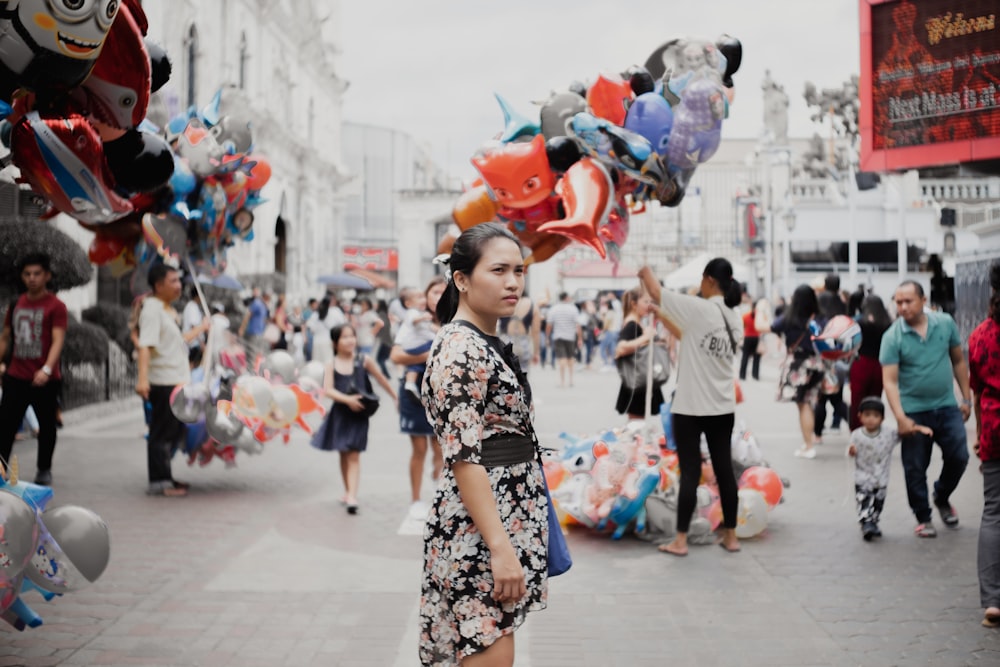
49 551
75 84
605 480
599 152
228 413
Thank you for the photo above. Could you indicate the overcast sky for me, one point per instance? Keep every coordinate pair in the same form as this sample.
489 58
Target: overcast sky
430 68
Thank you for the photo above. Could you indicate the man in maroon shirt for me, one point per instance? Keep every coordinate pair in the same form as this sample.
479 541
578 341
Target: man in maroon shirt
34 330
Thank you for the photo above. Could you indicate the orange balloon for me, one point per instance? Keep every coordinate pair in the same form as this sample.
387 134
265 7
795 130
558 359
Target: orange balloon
609 98
714 513
260 173
600 449
554 473
103 249
764 480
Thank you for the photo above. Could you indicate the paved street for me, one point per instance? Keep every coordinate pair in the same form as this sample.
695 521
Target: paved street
261 566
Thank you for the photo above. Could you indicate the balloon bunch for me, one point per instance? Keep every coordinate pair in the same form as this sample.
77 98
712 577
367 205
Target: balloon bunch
600 152
607 479
233 414
205 206
50 551
75 82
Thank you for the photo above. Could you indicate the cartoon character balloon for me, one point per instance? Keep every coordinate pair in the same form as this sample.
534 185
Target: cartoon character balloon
73 550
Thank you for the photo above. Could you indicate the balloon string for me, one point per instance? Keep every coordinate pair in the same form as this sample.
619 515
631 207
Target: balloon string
206 360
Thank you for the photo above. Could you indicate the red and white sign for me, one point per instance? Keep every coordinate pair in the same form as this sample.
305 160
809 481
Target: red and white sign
371 259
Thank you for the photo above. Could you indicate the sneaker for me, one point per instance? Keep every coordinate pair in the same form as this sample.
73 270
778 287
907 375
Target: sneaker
948 514
869 531
804 452
44 478
925 530
418 511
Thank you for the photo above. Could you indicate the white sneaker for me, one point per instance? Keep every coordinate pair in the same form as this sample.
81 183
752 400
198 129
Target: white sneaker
806 453
413 389
418 511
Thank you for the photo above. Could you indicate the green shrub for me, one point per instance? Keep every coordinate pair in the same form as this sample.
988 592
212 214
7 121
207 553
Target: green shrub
85 342
113 319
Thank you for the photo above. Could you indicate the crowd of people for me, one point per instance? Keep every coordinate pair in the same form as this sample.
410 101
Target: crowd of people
462 350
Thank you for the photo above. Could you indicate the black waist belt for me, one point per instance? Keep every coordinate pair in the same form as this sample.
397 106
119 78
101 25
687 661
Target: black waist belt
507 450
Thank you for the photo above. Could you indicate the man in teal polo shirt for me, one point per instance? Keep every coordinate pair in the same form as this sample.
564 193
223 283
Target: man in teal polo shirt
921 353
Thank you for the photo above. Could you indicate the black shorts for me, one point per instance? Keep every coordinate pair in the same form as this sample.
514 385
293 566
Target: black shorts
565 349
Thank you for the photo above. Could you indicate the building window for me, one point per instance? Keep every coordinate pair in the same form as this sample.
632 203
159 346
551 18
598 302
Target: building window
192 66
243 60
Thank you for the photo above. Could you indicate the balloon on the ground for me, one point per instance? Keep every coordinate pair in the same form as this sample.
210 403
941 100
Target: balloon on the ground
764 480
751 517
73 550
18 535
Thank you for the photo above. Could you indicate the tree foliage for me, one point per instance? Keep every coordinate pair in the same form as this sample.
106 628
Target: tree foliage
70 266
85 343
113 319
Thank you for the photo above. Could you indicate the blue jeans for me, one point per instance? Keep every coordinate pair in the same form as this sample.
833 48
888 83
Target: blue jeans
609 340
949 433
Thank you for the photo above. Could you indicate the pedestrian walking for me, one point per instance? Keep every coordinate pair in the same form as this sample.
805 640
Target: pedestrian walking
485 544
345 429
866 371
369 324
984 379
192 315
920 354
565 334
871 446
413 416
34 331
751 345
383 338
637 305
522 330
705 398
327 316
802 372
163 365
252 328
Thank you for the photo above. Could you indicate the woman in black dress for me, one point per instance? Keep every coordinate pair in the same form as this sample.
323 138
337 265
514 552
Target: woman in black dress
637 305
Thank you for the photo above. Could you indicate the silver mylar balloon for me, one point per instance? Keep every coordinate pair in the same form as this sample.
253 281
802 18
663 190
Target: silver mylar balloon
314 371
278 366
246 442
73 550
188 402
18 535
223 428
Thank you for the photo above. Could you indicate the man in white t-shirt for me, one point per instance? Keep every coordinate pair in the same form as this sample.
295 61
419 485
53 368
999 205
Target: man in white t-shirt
563 329
163 365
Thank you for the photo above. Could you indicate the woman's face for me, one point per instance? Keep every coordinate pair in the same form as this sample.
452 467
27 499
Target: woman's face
497 282
348 341
434 293
643 305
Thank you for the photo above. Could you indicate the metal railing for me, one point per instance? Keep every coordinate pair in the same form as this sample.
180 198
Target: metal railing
85 383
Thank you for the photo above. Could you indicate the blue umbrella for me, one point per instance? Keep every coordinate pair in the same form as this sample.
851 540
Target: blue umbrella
222 281
345 280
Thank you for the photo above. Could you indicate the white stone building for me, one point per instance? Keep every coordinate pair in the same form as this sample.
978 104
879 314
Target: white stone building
274 59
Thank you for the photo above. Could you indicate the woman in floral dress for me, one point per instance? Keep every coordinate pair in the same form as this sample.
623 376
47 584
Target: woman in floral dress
485 541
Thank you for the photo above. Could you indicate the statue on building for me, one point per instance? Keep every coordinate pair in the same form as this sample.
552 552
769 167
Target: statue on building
775 109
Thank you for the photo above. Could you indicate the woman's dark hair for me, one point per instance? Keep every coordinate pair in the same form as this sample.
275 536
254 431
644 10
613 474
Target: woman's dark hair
465 255
995 296
803 307
721 271
337 332
873 310
324 308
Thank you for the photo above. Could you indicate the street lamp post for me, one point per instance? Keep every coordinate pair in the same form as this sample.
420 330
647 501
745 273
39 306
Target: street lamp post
789 217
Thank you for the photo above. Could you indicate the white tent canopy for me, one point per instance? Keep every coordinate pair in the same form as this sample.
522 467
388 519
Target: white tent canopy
689 274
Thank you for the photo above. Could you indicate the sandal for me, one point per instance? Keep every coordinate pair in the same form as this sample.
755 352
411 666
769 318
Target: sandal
991 619
168 491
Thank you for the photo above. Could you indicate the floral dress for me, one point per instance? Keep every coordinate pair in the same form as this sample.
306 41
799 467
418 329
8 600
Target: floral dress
472 394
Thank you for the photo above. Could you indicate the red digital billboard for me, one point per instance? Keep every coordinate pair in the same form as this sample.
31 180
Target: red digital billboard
930 82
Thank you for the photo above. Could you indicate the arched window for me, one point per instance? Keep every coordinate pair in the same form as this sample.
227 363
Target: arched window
192 66
243 60
280 245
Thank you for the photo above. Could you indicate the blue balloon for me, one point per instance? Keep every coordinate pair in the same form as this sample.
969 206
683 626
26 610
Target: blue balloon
651 116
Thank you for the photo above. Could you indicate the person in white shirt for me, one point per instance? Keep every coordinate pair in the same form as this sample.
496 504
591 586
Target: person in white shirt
705 398
563 329
327 316
192 316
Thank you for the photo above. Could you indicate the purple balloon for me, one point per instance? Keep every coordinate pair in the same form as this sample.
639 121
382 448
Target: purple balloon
651 116
697 125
